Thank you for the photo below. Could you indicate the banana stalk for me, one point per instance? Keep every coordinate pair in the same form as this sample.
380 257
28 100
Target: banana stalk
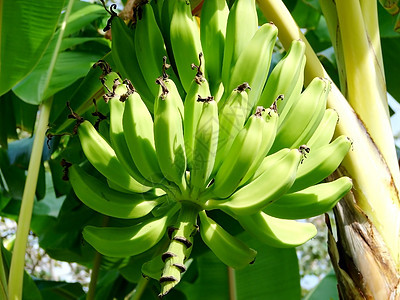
368 218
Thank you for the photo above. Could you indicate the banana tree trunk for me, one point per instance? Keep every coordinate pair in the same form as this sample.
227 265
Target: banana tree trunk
366 254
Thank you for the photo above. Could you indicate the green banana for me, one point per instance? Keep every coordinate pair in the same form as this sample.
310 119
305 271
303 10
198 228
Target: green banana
199 88
168 133
315 120
213 20
233 114
267 187
123 52
185 41
116 94
253 63
205 145
128 241
321 163
138 123
310 202
118 142
286 103
230 250
326 128
103 158
284 76
241 26
150 48
270 127
157 9
276 232
99 197
239 158
166 16
264 165
304 116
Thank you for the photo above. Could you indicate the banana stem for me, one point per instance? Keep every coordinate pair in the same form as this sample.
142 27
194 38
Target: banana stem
232 284
328 8
369 9
365 83
180 246
24 220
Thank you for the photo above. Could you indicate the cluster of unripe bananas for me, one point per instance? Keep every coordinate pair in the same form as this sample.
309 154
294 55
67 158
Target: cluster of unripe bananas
192 132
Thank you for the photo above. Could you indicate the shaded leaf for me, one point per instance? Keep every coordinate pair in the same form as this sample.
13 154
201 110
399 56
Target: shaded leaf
7 120
25 114
212 281
59 290
30 291
111 285
391 61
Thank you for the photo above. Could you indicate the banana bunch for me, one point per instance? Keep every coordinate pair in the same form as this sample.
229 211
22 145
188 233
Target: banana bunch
197 124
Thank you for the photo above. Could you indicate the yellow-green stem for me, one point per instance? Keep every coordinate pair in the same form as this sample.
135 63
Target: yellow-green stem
366 90
15 280
328 8
94 276
140 288
232 283
96 268
3 276
369 9
180 246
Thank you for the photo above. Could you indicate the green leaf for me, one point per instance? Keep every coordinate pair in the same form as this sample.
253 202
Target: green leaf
307 14
386 23
74 41
26 28
83 13
69 65
326 289
274 274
